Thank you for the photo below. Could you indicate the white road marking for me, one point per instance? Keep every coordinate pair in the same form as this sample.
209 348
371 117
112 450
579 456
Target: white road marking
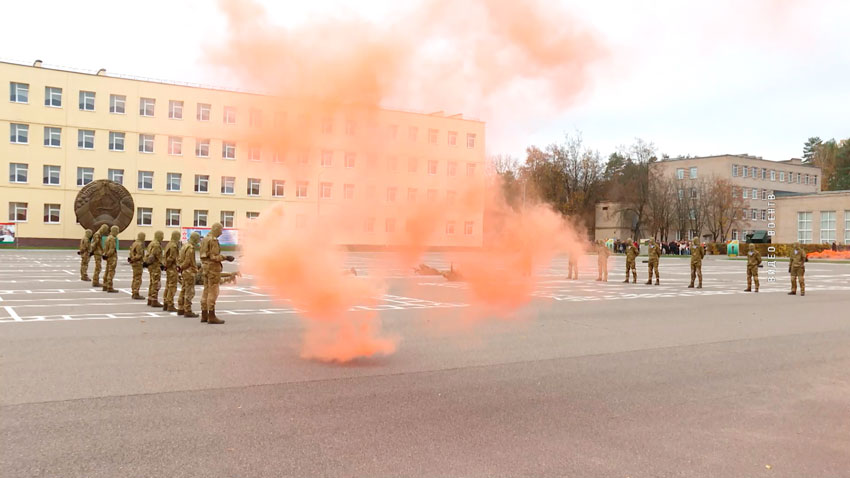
12 313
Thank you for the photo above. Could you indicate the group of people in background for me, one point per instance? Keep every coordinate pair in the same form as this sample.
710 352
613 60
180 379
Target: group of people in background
176 260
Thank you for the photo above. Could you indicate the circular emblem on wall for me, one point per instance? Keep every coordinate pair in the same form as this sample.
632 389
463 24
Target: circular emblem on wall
104 202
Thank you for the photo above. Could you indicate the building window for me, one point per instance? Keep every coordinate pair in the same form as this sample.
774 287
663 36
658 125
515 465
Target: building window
19 93
147 106
432 136
254 154
815 179
744 213
470 169
18 211
202 148
764 215
781 176
432 166
255 118
116 141
278 157
172 218
301 189
19 133
798 178
450 227
18 173
470 140
734 234
755 193
229 115
175 146
144 216
734 192
746 193
846 227
764 194
350 128
693 173
827 227
146 143
389 225
204 112
745 171
773 175
391 194
172 181
348 191
392 131
227 218
251 215
451 196
87 101
202 183
804 227
145 180
734 170
84 176
200 219
327 159
467 228
754 172
116 175
175 109
51 213
278 188
412 133
51 175
693 193
754 214
451 169
350 160
680 173
52 137
52 97
227 184
431 194
303 158
117 104
681 193
452 138
411 194
325 190
806 179
228 150
253 187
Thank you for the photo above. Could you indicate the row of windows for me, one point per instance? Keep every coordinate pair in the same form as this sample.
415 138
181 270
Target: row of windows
20 93
773 175
18 212
19 134
692 173
747 193
827 227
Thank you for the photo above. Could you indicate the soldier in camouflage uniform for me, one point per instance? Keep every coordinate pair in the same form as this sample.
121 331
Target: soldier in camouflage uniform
654 258
97 252
110 254
631 255
753 263
205 241
697 253
572 267
188 269
213 279
135 257
172 250
85 254
602 254
153 260
797 268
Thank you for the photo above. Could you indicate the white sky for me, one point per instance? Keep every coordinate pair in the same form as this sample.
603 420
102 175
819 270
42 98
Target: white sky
755 76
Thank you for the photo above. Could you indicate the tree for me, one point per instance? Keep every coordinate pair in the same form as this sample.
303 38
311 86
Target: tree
632 187
662 206
722 208
810 147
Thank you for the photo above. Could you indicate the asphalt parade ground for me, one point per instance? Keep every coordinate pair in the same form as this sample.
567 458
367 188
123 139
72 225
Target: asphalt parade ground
590 379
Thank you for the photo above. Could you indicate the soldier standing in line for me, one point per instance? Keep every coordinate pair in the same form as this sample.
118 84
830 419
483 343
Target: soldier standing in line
135 258
602 254
631 255
153 259
188 268
85 254
205 243
753 263
797 267
696 265
97 252
572 267
110 255
213 280
170 266
654 257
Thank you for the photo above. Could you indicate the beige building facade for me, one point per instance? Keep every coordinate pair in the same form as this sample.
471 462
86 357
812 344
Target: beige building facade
822 218
192 156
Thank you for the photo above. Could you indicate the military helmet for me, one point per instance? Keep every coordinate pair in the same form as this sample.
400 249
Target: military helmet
158 235
215 230
175 236
752 247
88 233
140 237
194 238
114 230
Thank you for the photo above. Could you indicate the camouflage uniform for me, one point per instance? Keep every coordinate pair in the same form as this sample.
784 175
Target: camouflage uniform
85 254
170 254
631 255
188 269
97 252
697 253
753 263
213 280
205 244
654 257
572 270
135 258
602 254
797 267
110 253
153 260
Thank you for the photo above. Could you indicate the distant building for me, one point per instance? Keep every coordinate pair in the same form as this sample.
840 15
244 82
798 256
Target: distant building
813 218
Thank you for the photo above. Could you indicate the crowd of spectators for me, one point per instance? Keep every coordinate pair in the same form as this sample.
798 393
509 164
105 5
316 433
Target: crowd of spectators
676 248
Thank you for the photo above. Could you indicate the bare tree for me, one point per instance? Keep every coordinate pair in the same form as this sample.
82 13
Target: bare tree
632 189
722 208
662 205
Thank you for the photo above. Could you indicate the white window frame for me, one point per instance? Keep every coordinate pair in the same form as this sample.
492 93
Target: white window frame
451 168
804 227
52 133
773 175
84 173
692 173
255 154
468 228
143 213
744 191
412 133
147 107
392 194
170 216
146 141
433 136
15 209
432 171
173 182
116 103
350 160
228 185
680 173
116 139
326 190
253 188
17 91
755 194
49 209
450 228
15 171
348 191
251 215
451 138
51 175
745 171
202 179
175 145
734 170
84 100
229 116
470 169
112 173
827 227
52 97
203 112
278 184
140 176
470 140
175 109
255 118
228 150
198 215
327 159
411 194
781 176
82 136
15 135
302 189
227 218
202 145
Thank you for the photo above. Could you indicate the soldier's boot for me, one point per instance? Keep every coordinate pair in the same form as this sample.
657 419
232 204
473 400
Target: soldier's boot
136 296
180 312
111 290
104 288
95 284
649 282
691 285
656 281
634 279
212 319
171 308
793 292
627 279
165 307
155 303
149 301
204 315
85 278
802 288
700 284
189 314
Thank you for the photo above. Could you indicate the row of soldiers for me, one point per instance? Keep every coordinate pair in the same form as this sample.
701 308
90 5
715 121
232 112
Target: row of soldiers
177 262
796 266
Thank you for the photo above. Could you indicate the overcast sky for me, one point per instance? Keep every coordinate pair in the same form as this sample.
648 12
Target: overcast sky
756 76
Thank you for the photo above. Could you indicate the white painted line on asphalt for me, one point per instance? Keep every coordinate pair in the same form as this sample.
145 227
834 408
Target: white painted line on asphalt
12 313
67 272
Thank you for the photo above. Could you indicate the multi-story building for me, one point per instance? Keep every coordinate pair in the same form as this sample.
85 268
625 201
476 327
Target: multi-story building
191 156
822 218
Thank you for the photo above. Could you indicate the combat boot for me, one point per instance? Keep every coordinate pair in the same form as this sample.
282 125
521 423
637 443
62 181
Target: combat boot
691 285
190 314
699 286
649 282
802 293
748 289
165 307
149 302
155 303
657 281
95 284
792 292
104 288
111 291
171 308
626 281
180 312
212 319
85 278
136 296
204 315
